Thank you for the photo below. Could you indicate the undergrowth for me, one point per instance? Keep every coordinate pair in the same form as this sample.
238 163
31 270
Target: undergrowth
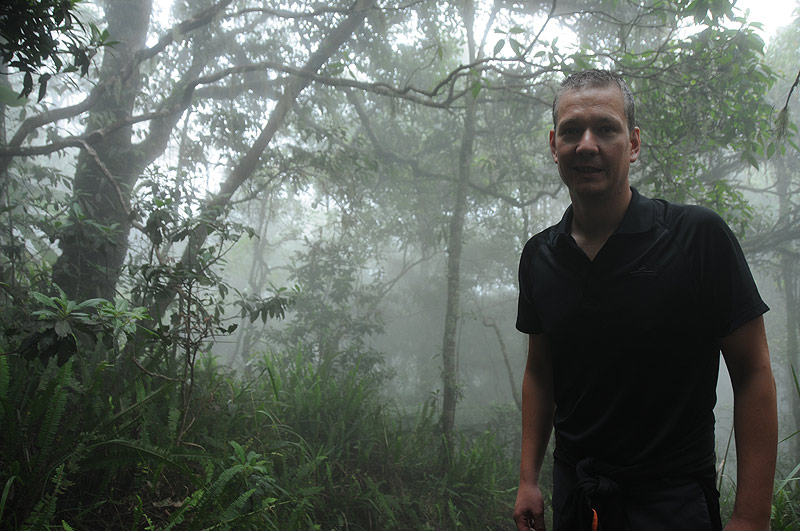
91 440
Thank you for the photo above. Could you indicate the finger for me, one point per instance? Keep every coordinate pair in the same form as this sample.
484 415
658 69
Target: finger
523 522
537 522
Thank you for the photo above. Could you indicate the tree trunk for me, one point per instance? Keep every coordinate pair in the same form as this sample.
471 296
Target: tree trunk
788 263
95 242
455 245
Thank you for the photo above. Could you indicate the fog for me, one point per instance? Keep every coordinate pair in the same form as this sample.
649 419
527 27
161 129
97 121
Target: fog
351 184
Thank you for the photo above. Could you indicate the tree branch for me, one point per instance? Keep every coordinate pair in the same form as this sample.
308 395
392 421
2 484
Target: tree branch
247 165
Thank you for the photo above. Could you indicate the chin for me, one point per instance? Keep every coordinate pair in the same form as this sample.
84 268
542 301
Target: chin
590 189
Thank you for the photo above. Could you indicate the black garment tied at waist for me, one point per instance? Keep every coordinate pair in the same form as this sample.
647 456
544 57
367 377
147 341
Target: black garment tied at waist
596 500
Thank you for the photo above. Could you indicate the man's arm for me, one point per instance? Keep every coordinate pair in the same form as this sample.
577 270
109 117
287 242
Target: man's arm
537 424
755 423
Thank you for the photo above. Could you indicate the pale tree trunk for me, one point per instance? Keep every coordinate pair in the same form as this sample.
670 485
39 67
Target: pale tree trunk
256 279
506 360
91 259
455 243
95 241
8 263
788 262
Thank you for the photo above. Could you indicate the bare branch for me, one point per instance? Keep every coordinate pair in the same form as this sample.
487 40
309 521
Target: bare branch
282 13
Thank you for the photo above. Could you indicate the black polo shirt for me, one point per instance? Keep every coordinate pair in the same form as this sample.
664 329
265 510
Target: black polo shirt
635 333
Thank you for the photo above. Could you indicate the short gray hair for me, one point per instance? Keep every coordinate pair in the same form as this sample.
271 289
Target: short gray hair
595 78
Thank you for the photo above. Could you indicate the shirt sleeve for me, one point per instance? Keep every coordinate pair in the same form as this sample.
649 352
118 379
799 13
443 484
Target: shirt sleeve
727 286
528 320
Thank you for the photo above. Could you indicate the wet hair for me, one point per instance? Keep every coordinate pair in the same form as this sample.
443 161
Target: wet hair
596 79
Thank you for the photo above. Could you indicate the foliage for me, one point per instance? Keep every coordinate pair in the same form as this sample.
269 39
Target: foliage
36 35
298 445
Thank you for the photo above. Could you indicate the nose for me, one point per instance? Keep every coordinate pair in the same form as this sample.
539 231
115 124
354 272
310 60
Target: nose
587 143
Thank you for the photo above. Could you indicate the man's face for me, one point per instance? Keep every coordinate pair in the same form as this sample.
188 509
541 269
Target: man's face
591 143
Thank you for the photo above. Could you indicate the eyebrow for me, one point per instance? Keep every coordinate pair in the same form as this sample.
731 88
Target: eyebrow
603 120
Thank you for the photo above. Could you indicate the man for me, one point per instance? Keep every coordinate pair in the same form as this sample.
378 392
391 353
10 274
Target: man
627 303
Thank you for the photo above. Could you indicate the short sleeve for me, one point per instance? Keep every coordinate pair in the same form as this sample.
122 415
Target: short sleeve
728 290
528 320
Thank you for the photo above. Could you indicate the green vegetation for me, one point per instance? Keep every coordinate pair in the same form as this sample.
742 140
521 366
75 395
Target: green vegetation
88 444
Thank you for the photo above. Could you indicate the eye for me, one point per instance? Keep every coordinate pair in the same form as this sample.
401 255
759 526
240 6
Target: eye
607 129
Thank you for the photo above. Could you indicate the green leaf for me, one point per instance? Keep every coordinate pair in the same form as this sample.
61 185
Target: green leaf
90 303
10 98
516 46
499 46
749 158
700 11
6 490
63 328
239 450
44 299
476 89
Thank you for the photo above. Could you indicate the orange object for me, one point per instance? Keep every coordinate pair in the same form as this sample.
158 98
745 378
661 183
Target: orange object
595 521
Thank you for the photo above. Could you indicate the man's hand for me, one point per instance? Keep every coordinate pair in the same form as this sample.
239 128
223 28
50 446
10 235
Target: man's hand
529 509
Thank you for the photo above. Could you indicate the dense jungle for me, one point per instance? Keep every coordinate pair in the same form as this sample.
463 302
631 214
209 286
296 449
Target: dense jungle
258 260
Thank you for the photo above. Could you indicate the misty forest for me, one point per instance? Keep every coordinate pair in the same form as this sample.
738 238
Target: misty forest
258 260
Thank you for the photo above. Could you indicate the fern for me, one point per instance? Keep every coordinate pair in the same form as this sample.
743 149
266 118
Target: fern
189 503
206 502
43 511
233 511
214 492
262 524
127 416
123 451
55 411
50 372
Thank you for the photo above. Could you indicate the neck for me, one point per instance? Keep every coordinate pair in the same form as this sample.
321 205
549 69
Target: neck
595 219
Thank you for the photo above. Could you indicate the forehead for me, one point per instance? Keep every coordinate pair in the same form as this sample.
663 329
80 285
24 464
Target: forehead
592 103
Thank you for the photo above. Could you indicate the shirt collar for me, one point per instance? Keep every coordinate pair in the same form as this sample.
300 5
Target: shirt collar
640 216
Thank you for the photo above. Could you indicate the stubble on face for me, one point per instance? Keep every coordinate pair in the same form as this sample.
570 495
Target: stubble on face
592 143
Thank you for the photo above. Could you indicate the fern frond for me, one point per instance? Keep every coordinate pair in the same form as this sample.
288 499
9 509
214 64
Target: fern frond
133 408
50 372
55 410
215 490
272 526
207 501
45 509
233 510
188 503
123 451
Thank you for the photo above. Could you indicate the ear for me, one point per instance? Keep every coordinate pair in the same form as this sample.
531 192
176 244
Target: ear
553 145
636 144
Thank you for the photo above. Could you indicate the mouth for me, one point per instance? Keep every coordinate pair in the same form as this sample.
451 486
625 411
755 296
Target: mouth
588 169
